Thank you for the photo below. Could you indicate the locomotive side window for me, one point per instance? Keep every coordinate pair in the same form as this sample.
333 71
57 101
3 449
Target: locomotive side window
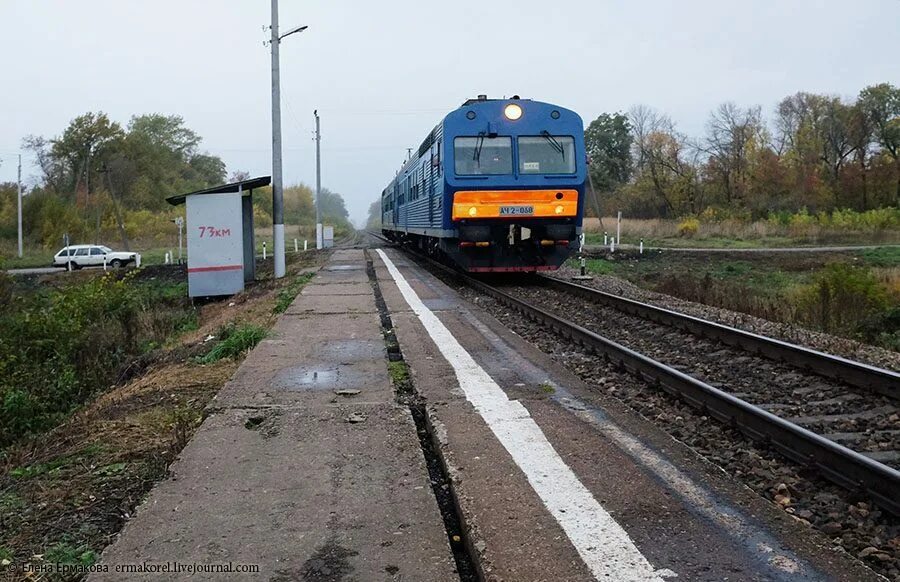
482 155
547 154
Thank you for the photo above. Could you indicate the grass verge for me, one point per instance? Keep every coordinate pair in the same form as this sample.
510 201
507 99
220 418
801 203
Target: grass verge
287 295
234 341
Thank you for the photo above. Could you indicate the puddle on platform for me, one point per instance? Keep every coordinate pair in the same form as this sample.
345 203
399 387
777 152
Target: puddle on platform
317 378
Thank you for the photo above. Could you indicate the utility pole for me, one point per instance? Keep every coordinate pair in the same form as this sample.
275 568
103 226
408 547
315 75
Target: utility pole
277 185
319 242
277 182
19 190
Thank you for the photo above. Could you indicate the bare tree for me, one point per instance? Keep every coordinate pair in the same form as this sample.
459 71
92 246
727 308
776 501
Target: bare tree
731 133
665 159
837 139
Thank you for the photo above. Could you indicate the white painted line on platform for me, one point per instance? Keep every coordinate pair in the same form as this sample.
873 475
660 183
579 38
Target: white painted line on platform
605 547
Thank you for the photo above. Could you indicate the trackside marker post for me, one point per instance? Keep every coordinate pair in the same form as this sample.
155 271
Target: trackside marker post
264 250
619 228
295 246
642 246
583 276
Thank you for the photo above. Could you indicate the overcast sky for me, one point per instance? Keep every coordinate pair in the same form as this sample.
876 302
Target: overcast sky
383 73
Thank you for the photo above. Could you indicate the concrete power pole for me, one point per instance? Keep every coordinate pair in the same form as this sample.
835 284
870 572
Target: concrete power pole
277 185
19 189
319 234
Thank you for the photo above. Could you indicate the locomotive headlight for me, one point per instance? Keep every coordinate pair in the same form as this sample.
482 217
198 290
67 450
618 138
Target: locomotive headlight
473 211
512 112
559 209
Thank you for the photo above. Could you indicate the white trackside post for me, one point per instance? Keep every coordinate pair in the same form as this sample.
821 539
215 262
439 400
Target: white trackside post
166 260
605 238
104 262
619 228
295 246
642 246
612 245
305 244
264 250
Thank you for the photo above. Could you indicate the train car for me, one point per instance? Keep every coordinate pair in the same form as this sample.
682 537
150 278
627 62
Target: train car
498 185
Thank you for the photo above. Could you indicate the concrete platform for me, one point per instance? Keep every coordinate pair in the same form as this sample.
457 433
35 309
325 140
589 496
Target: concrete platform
684 517
279 478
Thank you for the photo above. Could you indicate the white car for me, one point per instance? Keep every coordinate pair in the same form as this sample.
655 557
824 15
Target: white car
93 255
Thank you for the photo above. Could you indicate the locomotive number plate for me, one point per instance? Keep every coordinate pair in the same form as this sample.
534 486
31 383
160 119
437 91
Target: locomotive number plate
516 210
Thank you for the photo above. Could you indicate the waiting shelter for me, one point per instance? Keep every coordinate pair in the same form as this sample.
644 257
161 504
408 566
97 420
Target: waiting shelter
220 237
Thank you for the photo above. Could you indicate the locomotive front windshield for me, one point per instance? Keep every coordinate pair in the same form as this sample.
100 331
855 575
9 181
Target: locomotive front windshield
482 155
547 154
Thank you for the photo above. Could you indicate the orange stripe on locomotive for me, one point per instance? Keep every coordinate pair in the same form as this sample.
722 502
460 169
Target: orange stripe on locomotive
514 204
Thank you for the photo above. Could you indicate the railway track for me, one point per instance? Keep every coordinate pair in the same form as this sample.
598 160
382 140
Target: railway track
860 418
879 380
799 438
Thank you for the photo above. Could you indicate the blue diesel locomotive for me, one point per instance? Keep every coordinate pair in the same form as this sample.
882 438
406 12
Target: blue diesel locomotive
498 185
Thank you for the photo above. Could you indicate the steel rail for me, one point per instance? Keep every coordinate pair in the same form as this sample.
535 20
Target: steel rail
882 381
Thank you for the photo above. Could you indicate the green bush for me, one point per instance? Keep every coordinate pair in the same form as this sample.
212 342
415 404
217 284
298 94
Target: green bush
234 341
868 221
58 347
716 214
840 298
882 328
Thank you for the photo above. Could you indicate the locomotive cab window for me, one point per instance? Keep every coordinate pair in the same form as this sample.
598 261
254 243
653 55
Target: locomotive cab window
482 155
547 154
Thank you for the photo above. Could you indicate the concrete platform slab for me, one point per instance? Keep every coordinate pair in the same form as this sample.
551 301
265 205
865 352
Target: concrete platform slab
303 494
518 539
306 360
306 467
348 256
338 289
322 304
346 276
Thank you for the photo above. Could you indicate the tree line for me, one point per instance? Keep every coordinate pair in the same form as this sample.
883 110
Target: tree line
819 152
101 181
